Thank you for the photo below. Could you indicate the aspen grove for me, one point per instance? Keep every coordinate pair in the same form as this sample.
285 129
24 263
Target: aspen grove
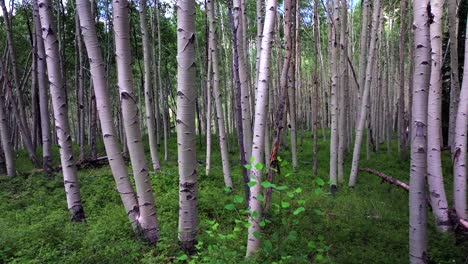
233 131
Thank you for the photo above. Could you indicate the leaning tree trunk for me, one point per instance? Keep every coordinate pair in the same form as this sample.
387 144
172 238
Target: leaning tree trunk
417 196
60 110
460 148
19 109
434 162
43 96
147 216
452 7
150 121
255 207
365 94
186 96
110 139
213 44
6 139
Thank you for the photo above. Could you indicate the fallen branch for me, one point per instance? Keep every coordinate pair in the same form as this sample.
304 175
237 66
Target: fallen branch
386 178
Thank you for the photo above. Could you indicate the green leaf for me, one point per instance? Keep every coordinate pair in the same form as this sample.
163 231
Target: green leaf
266 184
255 214
256 234
262 223
281 188
259 166
290 194
299 210
238 199
318 191
318 212
252 159
251 184
301 202
319 257
285 204
292 235
298 190
248 166
287 175
319 182
230 207
260 198
183 257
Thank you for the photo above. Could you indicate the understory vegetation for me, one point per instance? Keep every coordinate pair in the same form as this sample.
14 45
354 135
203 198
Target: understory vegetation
367 224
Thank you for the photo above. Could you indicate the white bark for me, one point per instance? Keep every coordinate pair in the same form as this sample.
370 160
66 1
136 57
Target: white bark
434 137
217 95
255 207
150 121
186 149
147 217
365 95
460 145
452 7
417 196
6 140
60 110
101 90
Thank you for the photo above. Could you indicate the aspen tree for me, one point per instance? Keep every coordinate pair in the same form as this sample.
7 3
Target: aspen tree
452 16
417 196
60 110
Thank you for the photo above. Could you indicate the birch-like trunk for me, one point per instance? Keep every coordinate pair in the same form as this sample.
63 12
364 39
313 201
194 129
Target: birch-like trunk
434 137
417 193
243 77
60 110
255 207
452 16
43 96
101 90
213 44
5 138
402 142
365 95
343 69
147 217
460 145
209 82
186 96
150 120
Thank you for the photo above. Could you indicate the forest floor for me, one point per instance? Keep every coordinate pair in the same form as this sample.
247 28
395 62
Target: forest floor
367 224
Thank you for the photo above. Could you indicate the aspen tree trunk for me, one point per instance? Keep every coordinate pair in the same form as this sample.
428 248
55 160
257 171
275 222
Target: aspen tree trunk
434 162
316 87
243 77
209 74
6 139
334 57
292 88
343 69
363 47
18 108
452 7
417 196
460 145
155 78
111 142
161 88
401 91
365 95
186 95
150 121
59 104
147 210
43 96
80 98
217 96
255 207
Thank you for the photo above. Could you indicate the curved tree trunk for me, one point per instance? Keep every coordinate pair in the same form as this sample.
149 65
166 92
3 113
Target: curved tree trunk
217 96
460 145
434 137
253 240
365 94
60 108
147 84
147 217
417 196
186 96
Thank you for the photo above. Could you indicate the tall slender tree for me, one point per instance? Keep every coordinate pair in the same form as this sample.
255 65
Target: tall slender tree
60 109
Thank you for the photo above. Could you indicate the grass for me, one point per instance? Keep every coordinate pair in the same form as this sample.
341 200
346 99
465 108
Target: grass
367 224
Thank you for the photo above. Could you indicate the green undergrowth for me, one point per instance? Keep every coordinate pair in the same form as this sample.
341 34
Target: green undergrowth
305 224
